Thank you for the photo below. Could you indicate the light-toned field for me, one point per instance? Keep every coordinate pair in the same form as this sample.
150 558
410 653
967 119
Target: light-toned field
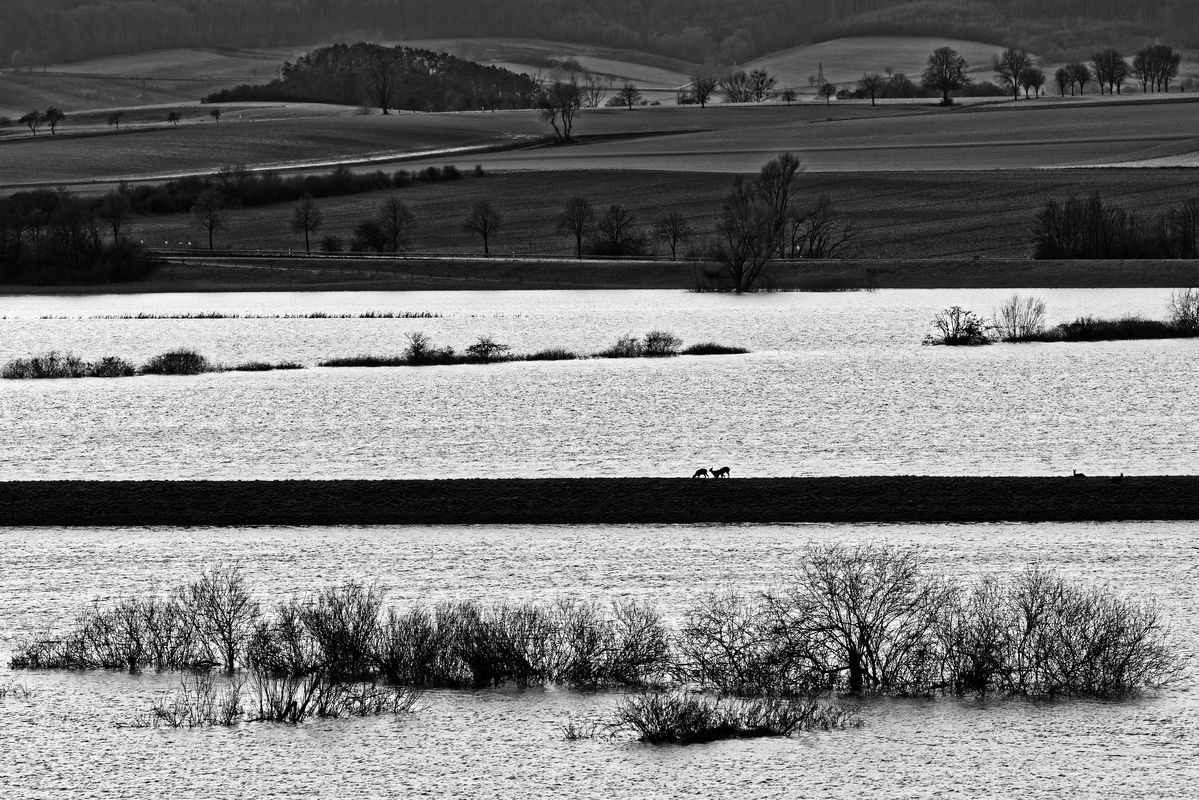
137 79
952 215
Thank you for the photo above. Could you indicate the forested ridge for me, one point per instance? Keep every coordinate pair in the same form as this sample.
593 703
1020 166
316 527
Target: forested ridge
391 77
37 32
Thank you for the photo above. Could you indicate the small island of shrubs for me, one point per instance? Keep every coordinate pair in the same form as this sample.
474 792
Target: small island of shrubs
420 352
1022 319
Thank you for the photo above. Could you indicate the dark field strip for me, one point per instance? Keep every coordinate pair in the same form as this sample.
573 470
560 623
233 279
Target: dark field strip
597 500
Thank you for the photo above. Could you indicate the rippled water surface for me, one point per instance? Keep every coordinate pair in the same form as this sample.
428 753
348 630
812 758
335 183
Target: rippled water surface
65 739
836 384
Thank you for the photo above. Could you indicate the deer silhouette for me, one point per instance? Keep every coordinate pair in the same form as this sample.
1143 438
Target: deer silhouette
723 472
1077 474
700 473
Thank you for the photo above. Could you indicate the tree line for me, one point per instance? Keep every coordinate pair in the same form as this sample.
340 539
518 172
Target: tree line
38 32
50 237
390 77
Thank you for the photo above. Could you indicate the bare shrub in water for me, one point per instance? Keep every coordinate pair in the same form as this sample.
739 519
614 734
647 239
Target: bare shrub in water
1039 635
177 362
727 643
689 718
661 343
1184 309
343 621
957 326
1020 319
196 703
865 616
48 365
221 609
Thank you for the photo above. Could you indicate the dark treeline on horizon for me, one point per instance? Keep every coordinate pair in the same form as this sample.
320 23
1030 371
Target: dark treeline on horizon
391 77
38 32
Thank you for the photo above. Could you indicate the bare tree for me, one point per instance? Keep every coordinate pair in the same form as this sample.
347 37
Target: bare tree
828 91
672 228
208 212
216 115
872 84
395 221
114 208
1110 69
775 189
558 104
595 89
577 219
114 119
789 95
484 220
173 118
222 610
752 87
1079 74
1064 78
306 218
1008 66
33 120
617 233
53 116
704 86
1031 80
865 616
818 231
1019 318
745 238
629 94
945 72
379 79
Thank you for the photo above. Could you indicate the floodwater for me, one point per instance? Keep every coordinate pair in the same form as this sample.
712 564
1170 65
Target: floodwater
836 383
67 740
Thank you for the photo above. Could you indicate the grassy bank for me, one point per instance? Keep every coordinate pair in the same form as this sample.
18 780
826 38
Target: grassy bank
597 500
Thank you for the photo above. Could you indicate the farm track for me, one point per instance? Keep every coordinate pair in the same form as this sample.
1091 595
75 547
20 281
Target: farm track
598 501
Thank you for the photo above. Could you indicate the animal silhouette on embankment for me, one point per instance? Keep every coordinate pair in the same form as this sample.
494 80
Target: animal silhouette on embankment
723 472
700 473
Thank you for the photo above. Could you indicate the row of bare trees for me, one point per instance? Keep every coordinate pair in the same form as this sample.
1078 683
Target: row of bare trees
865 619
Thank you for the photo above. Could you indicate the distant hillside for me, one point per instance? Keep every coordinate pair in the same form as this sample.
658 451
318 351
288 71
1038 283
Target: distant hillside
390 77
38 32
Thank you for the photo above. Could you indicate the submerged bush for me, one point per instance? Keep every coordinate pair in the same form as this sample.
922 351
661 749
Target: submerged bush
1090 329
552 354
690 718
48 365
713 349
1184 309
263 366
1020 319
177 362
957 326
866 620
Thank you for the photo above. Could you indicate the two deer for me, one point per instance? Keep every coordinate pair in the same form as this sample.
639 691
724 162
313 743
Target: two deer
723 472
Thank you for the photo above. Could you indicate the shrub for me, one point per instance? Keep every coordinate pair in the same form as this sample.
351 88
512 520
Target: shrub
422 352
712 349
48 365
486 351
661 343
687 718
450 173
957 326
627 346
1020 319
263 366
365 361
332 244
111 367
552 354
1090 329
177 362
1184 309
